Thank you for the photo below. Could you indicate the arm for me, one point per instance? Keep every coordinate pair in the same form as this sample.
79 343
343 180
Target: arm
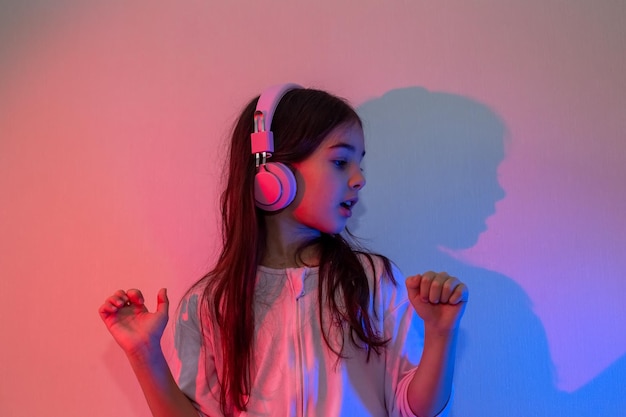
138 332
164 397
440 301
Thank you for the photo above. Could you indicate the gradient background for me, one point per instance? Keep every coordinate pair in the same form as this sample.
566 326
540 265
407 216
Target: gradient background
496 138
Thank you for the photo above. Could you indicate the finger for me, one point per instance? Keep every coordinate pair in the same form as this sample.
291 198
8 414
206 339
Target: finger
413 285
436 288
121 294
448 288
460 294
135 297
107 308
163 303
413 281
427 280
118 299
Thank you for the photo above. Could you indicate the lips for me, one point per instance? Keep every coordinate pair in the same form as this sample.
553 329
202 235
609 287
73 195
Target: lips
347 206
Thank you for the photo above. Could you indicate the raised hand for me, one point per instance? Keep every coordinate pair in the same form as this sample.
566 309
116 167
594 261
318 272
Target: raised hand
438 298
133 327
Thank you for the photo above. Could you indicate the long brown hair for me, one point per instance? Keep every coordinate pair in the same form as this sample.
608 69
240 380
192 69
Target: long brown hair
301 122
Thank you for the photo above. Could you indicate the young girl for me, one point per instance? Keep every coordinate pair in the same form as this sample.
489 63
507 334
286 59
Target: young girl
295 320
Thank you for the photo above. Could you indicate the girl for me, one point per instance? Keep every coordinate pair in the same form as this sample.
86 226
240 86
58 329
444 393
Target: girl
295 319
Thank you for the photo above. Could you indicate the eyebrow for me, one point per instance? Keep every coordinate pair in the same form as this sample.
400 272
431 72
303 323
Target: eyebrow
345 146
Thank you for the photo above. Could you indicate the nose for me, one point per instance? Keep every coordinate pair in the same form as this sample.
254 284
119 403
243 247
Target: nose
357 181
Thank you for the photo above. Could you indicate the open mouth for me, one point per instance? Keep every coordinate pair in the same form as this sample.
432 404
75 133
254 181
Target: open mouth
349 204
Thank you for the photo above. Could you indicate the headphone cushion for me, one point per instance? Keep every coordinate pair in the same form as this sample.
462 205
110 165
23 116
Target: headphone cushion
274 186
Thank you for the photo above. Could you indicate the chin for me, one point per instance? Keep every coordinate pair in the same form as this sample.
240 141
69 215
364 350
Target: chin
333 230
329 226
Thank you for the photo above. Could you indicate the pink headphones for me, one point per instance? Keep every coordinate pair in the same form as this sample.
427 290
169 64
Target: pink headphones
274 183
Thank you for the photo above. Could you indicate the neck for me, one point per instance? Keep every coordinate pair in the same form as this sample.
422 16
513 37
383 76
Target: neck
284 239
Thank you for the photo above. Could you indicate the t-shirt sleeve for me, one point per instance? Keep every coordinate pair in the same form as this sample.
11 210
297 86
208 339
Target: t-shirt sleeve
406 331
192 367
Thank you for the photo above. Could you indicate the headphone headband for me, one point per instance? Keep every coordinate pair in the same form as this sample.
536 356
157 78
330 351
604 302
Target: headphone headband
263 138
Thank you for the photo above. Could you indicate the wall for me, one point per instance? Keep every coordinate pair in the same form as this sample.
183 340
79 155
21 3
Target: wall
496 151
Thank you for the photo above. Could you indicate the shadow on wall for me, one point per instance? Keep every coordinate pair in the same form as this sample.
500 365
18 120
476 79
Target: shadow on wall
431 170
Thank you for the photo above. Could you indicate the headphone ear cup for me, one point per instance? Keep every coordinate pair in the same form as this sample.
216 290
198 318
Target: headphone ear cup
274 186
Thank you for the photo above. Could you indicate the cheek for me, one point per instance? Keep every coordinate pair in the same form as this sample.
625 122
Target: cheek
301 187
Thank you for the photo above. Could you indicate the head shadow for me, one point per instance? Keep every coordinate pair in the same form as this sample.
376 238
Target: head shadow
431 164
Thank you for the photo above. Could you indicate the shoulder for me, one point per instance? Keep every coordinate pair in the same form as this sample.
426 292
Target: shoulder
386 280
191 307
381 267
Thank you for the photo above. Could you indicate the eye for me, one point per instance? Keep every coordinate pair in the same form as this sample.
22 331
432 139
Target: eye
340 163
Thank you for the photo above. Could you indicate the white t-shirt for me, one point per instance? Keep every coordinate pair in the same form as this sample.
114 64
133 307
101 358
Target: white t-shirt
294 372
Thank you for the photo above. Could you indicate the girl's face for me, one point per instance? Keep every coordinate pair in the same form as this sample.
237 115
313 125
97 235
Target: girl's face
329 181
